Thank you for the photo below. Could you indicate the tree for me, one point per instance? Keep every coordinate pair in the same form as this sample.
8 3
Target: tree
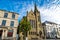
24 26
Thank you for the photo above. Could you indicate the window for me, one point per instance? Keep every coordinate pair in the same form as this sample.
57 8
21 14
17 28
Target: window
32 22
12 23
34 38
5 15
13 15
10 33
38 18
32 33
3 22
29 32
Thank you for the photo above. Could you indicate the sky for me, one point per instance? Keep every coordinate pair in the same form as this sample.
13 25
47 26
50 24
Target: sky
49 9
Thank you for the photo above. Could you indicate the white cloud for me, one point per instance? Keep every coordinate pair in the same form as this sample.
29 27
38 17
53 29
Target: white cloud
51 14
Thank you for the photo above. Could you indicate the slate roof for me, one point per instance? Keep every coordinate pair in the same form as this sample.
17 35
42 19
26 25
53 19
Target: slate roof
9 11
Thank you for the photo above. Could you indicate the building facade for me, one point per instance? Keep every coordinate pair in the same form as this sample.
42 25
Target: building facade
8 25
58 31
50 29
36 33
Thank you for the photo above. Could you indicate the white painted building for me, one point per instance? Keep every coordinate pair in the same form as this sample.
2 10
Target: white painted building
8 25
50 29
58 31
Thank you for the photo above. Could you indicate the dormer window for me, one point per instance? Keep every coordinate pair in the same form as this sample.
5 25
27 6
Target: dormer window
5 15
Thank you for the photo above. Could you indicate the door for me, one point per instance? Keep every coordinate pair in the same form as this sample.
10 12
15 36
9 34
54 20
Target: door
1 33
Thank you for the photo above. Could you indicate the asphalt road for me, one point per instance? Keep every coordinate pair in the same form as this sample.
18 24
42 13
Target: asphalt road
50 39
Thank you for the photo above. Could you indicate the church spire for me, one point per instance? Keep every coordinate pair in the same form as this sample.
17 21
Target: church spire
35 6
35 9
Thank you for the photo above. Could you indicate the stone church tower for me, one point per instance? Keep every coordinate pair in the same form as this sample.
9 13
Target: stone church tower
36 33
37 30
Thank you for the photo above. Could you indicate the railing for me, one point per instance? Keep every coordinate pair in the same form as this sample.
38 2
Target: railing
9 38
2 26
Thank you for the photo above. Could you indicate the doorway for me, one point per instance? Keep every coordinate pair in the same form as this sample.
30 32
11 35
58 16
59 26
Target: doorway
1 33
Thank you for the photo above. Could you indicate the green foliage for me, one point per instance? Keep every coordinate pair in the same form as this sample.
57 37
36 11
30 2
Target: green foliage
24 25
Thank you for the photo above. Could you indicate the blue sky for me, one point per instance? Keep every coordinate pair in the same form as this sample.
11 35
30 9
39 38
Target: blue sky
49 9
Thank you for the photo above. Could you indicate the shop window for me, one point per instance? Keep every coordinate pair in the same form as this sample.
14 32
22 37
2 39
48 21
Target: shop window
10 33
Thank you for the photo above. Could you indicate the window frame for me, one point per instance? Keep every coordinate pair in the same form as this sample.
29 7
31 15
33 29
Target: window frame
3 22
13 16
32 22
12 23
11 34
5 15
